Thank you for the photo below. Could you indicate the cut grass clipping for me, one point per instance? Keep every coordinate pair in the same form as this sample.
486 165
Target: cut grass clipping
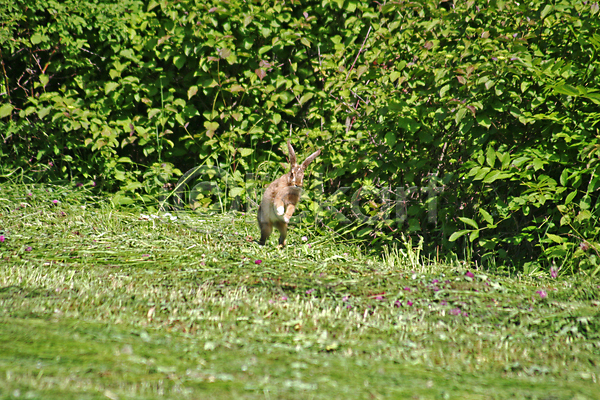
96 302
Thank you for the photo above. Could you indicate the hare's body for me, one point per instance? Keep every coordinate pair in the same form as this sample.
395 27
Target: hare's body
280 199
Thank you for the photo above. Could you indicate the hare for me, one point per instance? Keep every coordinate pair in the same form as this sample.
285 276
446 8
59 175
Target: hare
281 197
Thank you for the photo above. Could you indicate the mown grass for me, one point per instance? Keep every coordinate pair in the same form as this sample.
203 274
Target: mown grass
97 302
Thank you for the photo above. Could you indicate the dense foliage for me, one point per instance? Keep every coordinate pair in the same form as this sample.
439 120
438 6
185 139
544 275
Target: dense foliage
473 125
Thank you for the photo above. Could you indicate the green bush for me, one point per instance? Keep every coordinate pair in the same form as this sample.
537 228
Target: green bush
473 126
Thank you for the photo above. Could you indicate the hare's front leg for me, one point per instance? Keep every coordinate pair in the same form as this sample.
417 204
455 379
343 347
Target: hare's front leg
279 206
289 212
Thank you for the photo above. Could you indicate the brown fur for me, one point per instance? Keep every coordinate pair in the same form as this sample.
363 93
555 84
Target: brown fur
281 197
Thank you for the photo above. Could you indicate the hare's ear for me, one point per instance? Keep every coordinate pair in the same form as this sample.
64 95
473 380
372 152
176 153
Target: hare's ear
310 158
292 154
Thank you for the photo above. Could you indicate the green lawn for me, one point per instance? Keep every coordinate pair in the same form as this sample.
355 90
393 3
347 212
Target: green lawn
100 302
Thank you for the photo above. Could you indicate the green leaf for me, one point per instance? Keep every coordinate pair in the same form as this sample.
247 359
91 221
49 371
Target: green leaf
264 49
538 164
583 216
469 221
585 203
390 139
410 124
495 175
546 10
236 191
37 38
179 61
44 79
482 173
224 53
566 89
564 177
504 159
42 112
491 156
6 110
486 216
362 69
110 86
484 121
555 238
594 97
306 97
444 90
570 197
192 91
364 232
236 87
245 152
413 225
211 126
459 234
525 85
460 115
121 199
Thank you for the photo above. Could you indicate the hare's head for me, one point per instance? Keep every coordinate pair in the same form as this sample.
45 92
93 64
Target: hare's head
296 175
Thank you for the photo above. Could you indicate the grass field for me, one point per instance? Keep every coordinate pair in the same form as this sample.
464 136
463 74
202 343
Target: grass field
98 302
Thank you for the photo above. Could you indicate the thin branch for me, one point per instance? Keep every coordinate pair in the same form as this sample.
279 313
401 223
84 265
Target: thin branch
360 51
